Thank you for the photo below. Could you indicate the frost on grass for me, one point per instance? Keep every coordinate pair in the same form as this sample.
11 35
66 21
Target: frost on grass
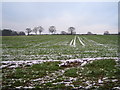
70 74
59 47
55 61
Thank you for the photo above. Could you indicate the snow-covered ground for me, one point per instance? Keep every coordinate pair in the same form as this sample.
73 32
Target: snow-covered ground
67 49
83 61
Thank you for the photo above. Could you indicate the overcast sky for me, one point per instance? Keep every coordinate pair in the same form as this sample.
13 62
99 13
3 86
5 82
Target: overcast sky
96 17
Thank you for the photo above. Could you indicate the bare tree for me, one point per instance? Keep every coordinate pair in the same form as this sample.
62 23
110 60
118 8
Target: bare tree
52 29
35 29
21 33
63 32
71 30
106 33
28 30
40 29
119 32
89 33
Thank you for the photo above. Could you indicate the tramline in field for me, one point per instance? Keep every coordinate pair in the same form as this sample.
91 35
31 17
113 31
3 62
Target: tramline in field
73 41
58 47
60 61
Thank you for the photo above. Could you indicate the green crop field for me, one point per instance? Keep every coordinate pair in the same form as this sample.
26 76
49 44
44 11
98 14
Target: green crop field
60 61
57 47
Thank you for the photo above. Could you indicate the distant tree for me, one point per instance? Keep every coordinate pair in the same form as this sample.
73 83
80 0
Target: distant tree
63 32
14 33
9 32
21 33
35 29
119 33
71 30
0 32
106 33
28 30
52 29
6 32
89 33
40 29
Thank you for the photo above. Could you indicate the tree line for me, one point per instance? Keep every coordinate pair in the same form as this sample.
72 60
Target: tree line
40 29
35 29
52 30
9 32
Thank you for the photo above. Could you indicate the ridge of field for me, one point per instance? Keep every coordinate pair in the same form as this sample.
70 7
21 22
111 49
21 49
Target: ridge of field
60 62
97 74
57 47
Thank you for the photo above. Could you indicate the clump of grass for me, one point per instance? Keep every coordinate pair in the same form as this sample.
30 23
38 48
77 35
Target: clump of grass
100 68
49 84
47 66
59 86
71 72
38 70
28 73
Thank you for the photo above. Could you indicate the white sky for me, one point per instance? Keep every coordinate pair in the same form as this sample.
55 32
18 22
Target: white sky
84 16
59 0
